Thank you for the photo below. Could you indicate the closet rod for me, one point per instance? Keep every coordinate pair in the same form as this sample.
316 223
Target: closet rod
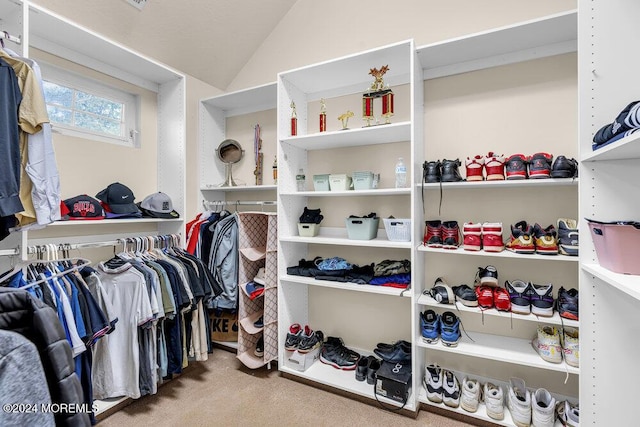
34 249
9 252
239 202
7 36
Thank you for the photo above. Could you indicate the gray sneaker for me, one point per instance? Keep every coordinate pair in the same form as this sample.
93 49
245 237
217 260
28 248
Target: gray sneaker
568 236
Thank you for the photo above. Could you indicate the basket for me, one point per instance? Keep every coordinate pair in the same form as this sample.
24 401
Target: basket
617 245
308 230
339 182
321 182
362 180
398 230
362 228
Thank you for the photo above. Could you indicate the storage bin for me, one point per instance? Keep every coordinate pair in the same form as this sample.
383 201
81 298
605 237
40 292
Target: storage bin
617 245
321 182
308 230
362 180
362 228
339 182
398 230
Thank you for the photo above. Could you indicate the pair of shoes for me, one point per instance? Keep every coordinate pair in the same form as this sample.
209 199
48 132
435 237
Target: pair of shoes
336 354
471 395
442 234
529 298
310 342
547 344
567 303
490 297
519 166
568 414
527 239
492 163
442 386
445 326
367 368
400 351
259 350
568 236
526 408
295 335
564 168
445 171
487 236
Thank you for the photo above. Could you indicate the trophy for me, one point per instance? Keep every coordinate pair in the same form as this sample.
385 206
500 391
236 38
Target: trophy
294 119
323 116
377 90
344 118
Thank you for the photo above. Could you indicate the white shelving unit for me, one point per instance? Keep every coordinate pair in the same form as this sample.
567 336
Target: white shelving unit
610 301
504 254
342 77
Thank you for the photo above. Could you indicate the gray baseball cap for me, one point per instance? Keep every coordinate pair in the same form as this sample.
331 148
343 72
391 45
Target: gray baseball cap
158 205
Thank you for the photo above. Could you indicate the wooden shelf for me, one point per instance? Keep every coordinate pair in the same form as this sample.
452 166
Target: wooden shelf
503 254
347 286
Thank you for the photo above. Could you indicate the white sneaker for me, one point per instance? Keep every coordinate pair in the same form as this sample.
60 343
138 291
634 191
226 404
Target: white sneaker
450 389
519 403
547 344
543 409
568 414
433 383
571 346
470 398
494 401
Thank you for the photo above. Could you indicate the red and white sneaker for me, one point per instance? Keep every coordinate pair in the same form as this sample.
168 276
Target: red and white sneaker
485 296
433 233
474 168
472 236
501 299
450 235
494 166
492 237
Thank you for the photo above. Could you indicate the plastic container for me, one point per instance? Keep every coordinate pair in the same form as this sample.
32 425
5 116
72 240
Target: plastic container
308 230
362 228
321 182
398 230
339 182
617 245
362 180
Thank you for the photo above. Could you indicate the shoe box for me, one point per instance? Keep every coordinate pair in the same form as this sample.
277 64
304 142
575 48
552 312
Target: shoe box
300 361
394 381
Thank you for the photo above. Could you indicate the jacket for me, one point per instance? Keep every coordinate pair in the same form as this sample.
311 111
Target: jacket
28 316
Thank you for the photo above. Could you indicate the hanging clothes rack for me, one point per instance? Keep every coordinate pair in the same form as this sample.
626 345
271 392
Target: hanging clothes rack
173 238
6 36
207 204
9 252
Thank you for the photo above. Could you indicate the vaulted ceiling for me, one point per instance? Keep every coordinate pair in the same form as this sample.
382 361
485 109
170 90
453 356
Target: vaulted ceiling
208 39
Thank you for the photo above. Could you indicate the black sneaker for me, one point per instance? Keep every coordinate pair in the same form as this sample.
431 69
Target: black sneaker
339 357
259 351
465 295
441 292
516 167
311 342
564 168
487 276
394 353
568 236
567 303
432 171
336 342
540 165
294 336
450 171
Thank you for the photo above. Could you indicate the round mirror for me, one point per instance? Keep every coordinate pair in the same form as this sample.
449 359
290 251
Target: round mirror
229 152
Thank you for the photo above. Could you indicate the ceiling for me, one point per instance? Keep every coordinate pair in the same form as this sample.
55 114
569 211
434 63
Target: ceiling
210 40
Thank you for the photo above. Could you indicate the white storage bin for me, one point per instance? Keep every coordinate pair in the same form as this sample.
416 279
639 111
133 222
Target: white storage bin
321 182
398 230
362 180
362 228
308 230
339 182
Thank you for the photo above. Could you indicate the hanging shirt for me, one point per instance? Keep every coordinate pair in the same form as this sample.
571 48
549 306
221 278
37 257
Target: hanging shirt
9 142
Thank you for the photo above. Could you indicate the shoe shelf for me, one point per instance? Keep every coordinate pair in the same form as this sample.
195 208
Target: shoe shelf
352 193
247 323
428 301
627 283
373 135
347 286
338 236
516 183
250 360
503 254
623 149
499 348
344 380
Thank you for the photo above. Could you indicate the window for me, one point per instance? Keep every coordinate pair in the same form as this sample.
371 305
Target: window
86 108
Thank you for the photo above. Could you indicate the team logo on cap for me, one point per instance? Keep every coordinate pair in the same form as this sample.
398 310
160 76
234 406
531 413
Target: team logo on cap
84 208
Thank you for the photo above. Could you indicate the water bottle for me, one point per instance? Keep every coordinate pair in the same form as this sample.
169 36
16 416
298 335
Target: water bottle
300 180
401 174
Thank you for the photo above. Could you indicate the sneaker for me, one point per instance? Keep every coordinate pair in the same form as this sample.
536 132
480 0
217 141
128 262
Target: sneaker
470 396
543 408
501 299
521 241
293 337
259 323
361 368
492 237
394 353
474 167
516 167
259 351
432 382
568 414
311 342
485 296
442 292
487 276
472 236
372 370
430 326
449 329
546 242
567 303
519 403
520 296
541 299
568 236
336 342
494 401
465 295
450 172
494 166
339 357
540 165
433 234
547 344
564 168
571 346
450 389
432 172
450 235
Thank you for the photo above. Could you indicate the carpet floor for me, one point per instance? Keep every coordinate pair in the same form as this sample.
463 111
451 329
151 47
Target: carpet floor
222 392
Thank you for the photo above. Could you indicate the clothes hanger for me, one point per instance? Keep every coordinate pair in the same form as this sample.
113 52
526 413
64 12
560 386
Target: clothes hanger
75 267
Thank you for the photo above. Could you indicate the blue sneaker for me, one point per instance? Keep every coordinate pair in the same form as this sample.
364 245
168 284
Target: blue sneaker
450 329
430 326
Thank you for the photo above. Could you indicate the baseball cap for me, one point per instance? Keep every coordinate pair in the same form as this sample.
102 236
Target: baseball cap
118 198
81 207
158 205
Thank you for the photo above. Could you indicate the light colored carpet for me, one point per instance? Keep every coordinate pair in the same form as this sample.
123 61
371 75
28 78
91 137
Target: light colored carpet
222 392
